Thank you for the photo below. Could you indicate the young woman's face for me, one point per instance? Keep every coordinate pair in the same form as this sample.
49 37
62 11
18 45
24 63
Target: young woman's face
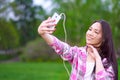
94 35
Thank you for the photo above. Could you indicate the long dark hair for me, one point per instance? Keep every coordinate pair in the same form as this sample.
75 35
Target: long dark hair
107 47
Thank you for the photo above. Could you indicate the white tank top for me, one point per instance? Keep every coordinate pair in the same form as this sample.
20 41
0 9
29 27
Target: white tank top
89 70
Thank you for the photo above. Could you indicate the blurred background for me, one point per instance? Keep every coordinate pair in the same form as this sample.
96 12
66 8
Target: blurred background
25 55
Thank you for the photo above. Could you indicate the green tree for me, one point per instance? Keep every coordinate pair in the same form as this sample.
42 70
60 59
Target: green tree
116 21
81 13
9 37
28 17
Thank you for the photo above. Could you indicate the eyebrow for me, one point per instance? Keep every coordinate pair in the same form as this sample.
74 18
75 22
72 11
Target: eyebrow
95 29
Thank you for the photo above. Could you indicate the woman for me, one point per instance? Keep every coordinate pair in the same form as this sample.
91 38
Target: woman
95 61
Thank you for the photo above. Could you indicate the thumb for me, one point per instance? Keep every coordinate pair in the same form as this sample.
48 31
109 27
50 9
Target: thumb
49 18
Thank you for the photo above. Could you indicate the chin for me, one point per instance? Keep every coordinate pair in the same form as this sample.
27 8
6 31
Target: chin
97 46
88 43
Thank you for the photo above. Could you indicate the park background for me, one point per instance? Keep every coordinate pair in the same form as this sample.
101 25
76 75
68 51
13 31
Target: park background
23 53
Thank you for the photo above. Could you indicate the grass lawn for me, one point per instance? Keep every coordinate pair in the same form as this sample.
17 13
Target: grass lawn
34 71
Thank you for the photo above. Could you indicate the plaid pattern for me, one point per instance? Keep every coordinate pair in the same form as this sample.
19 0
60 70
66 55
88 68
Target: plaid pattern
77 57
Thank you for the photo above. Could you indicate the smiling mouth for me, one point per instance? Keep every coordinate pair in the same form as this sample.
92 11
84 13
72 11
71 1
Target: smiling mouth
89 38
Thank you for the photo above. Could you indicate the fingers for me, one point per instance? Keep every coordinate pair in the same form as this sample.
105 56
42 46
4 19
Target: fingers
94 51
90 46
48 23
46 26
49 17
47 30
49 20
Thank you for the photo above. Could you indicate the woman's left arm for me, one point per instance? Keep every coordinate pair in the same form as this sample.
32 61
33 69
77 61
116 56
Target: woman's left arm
101 73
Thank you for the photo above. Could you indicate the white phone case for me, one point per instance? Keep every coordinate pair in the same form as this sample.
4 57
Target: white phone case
56 17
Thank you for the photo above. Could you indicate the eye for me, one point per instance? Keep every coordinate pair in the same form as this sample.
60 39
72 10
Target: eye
90 29
96 32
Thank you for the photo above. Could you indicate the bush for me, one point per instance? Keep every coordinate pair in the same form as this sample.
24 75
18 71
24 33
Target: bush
38 50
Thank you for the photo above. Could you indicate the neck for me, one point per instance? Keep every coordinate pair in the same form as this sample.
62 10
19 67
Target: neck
98 48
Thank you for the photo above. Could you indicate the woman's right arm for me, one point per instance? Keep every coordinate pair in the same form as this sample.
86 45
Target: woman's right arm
60 47
45 31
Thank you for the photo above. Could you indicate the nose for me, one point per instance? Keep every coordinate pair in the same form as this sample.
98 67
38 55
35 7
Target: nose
90 33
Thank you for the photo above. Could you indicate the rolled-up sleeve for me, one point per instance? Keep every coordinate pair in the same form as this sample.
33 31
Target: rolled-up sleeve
107 74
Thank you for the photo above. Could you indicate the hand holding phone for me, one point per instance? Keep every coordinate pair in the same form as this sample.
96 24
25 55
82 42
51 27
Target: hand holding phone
55 17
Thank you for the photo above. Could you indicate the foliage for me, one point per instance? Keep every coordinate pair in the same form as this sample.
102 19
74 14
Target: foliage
12 57
81 13
38 50
9 37
116 21
27 18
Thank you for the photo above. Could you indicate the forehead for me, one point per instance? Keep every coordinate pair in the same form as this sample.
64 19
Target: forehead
96 26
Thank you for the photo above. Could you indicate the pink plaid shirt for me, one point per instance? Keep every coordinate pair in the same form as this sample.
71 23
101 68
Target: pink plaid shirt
77 57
